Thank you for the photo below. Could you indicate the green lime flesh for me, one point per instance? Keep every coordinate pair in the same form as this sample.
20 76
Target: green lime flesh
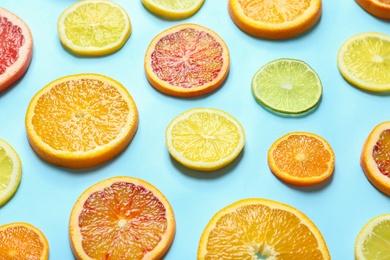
287 86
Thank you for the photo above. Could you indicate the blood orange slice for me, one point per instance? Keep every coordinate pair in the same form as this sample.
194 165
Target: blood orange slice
121 218
187 60
16 47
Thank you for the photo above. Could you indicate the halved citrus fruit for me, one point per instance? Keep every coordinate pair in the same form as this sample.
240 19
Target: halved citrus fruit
16 48
287 86
187 60
258 228
205 139
173 9
121 218
378 8
301 158
10 172
277 19
94 27
81 120
364 59
375 157
21 240
373 240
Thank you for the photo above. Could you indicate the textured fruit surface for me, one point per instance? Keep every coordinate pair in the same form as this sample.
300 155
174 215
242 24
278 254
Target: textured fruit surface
81 120
364 59
261 229
205 139
22 241
187 60
16 48
378 8
121 218
173 9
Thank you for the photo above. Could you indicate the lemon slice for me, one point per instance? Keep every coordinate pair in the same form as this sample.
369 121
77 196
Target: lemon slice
94 27
10 172
205 139
373 240
173 9
364 60
287 86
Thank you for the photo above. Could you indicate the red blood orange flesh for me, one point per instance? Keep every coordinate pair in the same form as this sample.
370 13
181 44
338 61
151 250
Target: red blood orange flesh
15 48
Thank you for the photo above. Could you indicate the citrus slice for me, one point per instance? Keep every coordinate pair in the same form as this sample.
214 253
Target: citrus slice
81 120
10 172
287 86
94 27
121 218
277 19
373 240
363 61
21 240
258 228
301 158
375 157
187 60
378 8
173 9
205 139
16 48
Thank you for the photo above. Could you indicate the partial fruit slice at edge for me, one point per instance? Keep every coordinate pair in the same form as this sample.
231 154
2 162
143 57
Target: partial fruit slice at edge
187 60
21 240
363 60
205 139
173 9
287 86
301 158
375 157
373 240
10 172
258 228
81 120
94 27
378 8
121 218
16 48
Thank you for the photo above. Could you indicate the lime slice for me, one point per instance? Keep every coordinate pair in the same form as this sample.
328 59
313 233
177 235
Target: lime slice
373 240
287 86
364 60
10 172
173 9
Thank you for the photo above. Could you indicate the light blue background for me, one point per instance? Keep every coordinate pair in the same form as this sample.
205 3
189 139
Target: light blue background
345 116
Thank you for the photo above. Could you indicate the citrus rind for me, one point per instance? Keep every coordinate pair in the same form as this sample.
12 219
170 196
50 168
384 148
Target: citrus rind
158 8
378 8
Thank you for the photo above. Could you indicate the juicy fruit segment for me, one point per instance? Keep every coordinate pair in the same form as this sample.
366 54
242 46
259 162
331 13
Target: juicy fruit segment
287 86
363 61
375 157
205 139
81 120
378 8
261 229
121 218
15 48
301 158
278 19
373 239
94 27
173 9
10 172
23 241
187 60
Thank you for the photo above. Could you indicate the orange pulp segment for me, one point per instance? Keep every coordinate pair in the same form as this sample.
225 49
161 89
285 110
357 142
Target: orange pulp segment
378 8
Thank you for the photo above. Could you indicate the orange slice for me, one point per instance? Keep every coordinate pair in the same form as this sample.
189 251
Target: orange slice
375 157
261 229
81 120
21 240
121 218
301 158
16 48
378 8
187 60
277 19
